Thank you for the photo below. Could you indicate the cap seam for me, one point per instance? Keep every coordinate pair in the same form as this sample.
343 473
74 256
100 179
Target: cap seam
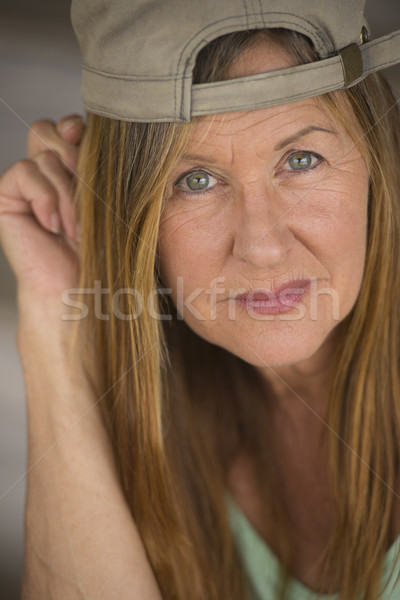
195 50
385 38
177 76
310 30
332 88
374 68
261 13
246 13
165 78
154 81
313 65
114 114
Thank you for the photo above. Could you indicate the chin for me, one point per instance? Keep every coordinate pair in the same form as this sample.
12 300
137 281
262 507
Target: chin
275 347
277 357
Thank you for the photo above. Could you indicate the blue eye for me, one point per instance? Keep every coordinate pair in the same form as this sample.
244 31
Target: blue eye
196 181
303 161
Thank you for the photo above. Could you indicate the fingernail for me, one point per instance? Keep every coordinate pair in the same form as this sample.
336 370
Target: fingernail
69 123
55 223
78 232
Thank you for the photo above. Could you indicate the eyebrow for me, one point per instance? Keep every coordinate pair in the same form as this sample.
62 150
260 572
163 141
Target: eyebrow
302 133
199 158
289 140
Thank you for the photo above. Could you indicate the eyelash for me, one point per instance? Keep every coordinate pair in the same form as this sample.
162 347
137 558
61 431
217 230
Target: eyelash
193 192
318 157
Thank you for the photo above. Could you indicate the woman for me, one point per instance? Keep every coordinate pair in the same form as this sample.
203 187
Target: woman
226 423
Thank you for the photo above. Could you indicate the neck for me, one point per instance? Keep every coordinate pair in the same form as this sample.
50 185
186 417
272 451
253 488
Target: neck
298 394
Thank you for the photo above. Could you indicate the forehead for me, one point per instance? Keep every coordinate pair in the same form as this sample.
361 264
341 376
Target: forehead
262 56
266 123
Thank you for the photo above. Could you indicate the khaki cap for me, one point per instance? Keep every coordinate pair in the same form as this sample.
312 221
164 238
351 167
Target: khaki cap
138 55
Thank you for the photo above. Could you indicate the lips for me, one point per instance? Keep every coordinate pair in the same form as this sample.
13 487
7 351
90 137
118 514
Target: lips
278 301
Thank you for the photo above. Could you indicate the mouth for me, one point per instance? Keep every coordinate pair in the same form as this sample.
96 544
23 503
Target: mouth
281 300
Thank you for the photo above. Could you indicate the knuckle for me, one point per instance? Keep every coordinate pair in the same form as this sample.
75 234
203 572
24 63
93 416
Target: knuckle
24 168
47 159
27 170
47 197
71 157
39 127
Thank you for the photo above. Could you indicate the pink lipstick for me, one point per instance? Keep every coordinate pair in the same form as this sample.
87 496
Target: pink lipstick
281 300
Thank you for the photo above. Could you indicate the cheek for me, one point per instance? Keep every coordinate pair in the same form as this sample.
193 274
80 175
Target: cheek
193 245
336 232
328 222
336 223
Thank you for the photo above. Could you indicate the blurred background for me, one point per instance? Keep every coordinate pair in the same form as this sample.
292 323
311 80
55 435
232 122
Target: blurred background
40 77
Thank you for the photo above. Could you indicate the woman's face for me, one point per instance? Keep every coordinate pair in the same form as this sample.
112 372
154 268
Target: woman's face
263 234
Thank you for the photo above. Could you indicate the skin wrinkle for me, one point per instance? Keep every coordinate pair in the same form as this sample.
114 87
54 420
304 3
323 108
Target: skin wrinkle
318 231
232 118
207 205
303 198
227 162
254 60
301 134
189 210
332 168
56 572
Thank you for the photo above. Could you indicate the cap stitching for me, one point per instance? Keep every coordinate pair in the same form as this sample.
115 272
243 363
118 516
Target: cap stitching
165 78
281 99
306 67
261 12
229 27
114 113
385 38
195 50
313 65
178 76
375 68
257 8
246 13
312 29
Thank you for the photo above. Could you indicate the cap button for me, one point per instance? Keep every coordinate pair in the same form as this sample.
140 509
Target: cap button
364 35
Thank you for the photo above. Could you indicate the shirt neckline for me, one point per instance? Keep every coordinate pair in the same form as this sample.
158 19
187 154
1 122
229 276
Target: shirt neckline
262 565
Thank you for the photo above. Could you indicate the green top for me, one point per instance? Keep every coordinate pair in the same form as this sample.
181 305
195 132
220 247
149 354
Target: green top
262 566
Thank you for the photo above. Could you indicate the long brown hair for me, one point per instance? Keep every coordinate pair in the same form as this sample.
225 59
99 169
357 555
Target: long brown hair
176 406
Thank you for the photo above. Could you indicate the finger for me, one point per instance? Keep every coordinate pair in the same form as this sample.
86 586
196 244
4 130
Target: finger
40 134
43 135
24 190
54 171
71 129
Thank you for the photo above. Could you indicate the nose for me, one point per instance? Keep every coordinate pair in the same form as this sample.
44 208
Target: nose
262 236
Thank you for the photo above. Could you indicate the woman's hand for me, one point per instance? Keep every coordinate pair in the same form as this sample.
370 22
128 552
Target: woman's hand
38 226
80 538
63 137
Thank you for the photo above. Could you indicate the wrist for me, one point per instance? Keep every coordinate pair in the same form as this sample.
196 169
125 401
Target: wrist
52 348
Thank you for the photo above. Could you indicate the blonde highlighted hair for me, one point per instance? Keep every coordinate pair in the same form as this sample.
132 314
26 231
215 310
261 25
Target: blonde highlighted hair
175 405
